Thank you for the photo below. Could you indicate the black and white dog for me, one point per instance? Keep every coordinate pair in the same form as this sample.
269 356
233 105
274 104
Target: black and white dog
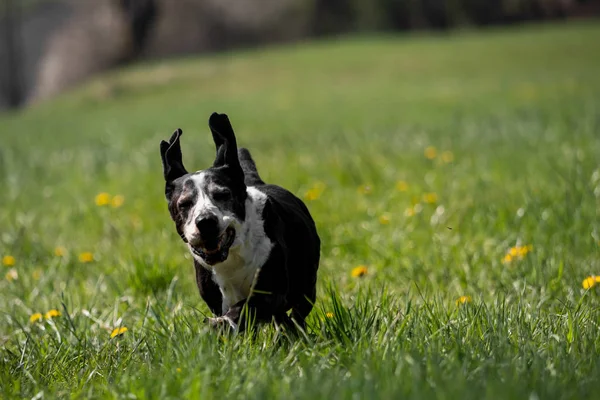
255 246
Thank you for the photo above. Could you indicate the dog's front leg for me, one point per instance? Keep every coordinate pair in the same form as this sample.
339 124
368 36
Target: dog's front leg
259 308
222 322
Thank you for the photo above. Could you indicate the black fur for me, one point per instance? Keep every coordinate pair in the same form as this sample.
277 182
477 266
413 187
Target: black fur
172 161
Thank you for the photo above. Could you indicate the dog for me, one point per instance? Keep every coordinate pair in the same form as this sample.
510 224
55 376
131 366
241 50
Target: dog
255 246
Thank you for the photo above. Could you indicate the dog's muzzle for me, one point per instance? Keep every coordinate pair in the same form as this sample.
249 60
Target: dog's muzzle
214 250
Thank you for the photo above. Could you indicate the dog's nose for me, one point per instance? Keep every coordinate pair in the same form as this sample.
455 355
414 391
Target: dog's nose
208 225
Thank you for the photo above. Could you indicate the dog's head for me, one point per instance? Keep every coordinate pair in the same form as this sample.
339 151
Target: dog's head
208 206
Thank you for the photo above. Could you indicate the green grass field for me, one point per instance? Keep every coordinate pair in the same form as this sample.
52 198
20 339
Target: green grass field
465 165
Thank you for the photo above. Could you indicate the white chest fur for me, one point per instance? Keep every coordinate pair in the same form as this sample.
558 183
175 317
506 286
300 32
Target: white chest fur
248 253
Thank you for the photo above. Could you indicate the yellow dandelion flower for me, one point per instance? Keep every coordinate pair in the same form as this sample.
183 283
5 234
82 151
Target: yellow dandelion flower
329 315
86 257
384 219
430 152
8 261
590 282
178 369
526 249
463 300
60 251
359 271
36 274
117 201
35 317
12 275
312 195
447 157
430 198
52 313
118 331
517 252
409 212
315 192
401 186
102 199
365 189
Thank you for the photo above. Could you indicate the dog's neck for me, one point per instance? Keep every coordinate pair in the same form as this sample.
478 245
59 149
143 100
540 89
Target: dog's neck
248 253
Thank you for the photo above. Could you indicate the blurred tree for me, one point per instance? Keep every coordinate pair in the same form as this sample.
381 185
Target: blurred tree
11 78
141 15
99 34
436 13
332 16
399 14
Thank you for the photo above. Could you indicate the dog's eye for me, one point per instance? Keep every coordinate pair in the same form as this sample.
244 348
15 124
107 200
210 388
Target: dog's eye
221 195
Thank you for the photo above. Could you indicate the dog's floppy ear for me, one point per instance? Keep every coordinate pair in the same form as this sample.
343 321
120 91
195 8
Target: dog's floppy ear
225 142
172 160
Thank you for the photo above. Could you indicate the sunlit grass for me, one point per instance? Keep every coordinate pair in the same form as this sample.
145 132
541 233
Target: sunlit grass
455 182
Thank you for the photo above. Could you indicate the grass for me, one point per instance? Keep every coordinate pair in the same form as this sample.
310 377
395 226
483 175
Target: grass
424 159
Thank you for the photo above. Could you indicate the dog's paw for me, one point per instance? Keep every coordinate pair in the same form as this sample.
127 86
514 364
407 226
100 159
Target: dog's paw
221 322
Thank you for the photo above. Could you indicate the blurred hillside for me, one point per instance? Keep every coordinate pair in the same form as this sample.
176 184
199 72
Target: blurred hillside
47 46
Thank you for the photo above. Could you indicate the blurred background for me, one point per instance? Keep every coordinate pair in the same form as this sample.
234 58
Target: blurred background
48 46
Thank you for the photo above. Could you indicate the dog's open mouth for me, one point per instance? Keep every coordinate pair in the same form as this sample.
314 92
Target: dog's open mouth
218 250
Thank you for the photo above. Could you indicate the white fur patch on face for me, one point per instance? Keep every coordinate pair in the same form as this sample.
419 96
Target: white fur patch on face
204 206
248 253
